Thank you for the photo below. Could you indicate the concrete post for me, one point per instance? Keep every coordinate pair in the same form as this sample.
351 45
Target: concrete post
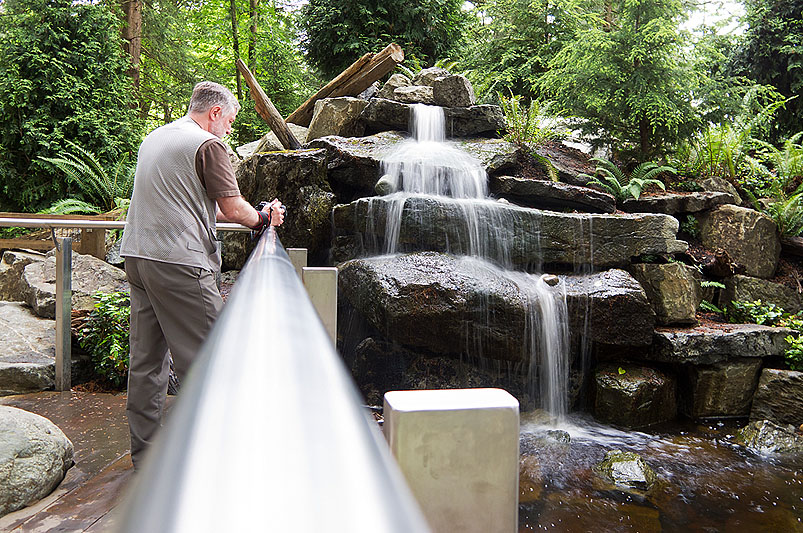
298 256
321 285
63 313
459 450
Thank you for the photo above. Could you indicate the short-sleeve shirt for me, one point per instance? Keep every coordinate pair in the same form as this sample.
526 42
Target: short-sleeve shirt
213 166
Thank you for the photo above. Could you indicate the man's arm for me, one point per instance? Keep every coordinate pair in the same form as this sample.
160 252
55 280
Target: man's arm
236 209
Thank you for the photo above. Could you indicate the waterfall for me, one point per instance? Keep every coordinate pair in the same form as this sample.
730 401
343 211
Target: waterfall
427 165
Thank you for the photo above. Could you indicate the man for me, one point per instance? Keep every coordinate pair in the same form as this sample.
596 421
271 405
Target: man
184 182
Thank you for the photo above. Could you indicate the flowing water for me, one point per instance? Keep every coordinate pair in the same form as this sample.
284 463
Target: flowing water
427 165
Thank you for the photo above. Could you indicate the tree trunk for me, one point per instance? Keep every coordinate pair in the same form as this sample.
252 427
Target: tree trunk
236 44
252 37
268 111
644 137
132 37
352 81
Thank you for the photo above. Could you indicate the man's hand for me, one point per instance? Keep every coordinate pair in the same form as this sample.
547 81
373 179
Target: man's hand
275 211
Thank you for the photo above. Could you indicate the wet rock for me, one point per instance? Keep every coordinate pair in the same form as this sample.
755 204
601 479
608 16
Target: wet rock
270 143
34 457
764 437
385 185
748 289
638 397
453 91
27 350
714 344
353 165
494 155
569 163
626 469
113 256
429 76
370 92
478 120
11 266
337 116
599 301
675 203
89 275
393 83
298 178
551 195
248 149
531 480
779 397
673 290
414 94
719 390
513 235
751 238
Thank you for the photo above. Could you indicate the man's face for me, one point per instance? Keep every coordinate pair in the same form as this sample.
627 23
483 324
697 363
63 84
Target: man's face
220 123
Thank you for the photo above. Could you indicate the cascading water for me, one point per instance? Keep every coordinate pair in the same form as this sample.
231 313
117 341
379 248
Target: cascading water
429 166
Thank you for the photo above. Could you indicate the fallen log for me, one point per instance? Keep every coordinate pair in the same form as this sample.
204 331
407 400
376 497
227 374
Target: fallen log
352 81
267 110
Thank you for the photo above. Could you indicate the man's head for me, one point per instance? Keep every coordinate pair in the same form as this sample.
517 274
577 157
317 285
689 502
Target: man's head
213 107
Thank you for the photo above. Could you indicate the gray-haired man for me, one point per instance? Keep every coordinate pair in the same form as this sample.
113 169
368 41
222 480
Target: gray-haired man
184 182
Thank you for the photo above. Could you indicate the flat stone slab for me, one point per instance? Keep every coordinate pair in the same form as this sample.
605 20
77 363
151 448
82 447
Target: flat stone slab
27 350
673 203
706 344
552 195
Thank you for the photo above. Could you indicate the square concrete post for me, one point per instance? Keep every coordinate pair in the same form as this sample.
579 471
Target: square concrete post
63 314
321 285
298 256
459 451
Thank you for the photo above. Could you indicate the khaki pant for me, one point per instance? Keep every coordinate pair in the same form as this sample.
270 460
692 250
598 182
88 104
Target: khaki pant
172 307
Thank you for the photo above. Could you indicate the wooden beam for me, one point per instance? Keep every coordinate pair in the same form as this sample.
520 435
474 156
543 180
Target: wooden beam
352 81
267 110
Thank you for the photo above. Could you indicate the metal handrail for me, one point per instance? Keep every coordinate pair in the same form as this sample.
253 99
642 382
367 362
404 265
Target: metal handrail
17 222
268 432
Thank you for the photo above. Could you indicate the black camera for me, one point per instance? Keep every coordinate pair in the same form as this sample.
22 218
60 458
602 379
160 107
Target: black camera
261 205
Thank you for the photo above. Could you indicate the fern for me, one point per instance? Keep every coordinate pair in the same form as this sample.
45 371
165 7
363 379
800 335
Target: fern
611 179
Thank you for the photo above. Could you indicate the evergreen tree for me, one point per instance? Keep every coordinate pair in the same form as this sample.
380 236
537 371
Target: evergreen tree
625 73
62 77
338 32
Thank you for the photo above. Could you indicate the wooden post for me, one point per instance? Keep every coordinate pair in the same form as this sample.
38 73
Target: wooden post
352 81
267 110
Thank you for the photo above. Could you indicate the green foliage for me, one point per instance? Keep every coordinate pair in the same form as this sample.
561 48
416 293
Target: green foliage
788 215
612 179
105 337
62 77
786 164
627 77
691 226
713 284
337 33
794 354
771 52
101 190
707 306
531 125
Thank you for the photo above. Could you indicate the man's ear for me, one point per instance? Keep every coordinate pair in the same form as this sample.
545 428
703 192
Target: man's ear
215 112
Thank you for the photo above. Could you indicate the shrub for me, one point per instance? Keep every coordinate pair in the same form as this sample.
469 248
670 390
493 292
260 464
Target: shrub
528 125
105 337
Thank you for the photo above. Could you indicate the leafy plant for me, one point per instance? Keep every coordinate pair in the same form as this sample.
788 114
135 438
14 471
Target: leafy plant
528 125
786 163
707 306
713 284
105 336
612 179
787 214
102 190
794 354
691 226
769 314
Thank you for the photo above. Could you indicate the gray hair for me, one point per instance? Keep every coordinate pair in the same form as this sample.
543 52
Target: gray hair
208 94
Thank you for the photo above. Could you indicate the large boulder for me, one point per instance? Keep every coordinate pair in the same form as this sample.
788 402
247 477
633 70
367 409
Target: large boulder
454 305
12 288
673 290
414 94
626 469
749 289
353 165
707 345
298 179
34 457
479 120
672 203
510 234
719 390
764 437
393 83
597 302
89 275
453 91
337 116
429 76
633 396
779 397
270 142
750 238
27 350
495 155
551 195
716 184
